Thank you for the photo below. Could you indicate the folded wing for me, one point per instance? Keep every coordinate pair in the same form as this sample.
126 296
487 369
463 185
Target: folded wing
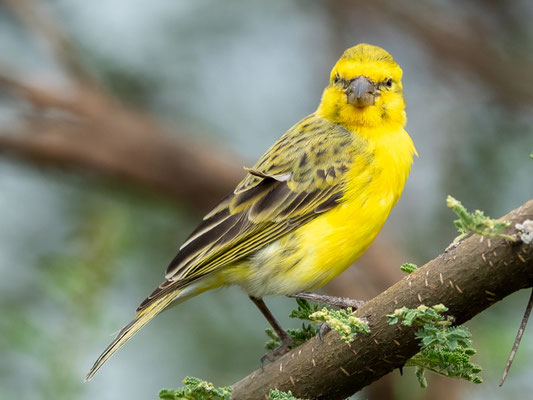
301 176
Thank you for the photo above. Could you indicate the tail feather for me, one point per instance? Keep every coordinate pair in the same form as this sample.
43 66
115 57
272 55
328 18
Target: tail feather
141 319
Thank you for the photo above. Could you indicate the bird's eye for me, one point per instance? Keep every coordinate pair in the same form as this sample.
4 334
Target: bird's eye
388 82
336 79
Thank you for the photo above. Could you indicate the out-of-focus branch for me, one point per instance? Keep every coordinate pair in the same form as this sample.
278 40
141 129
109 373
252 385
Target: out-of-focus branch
87 130
470 49
40 22
84 127
467 279
455 43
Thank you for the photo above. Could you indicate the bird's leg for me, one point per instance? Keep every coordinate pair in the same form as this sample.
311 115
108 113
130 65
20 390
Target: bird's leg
340 302
286 340
324 328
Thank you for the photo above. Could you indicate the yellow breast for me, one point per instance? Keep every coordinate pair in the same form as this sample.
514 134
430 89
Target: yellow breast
333 241
317 252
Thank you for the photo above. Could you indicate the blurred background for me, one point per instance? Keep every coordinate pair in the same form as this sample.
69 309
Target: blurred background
122 122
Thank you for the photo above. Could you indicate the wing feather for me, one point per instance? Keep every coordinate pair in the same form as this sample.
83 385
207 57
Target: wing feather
207 225
301 176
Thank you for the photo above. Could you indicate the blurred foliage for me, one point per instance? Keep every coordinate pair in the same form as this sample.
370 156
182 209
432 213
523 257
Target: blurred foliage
70 289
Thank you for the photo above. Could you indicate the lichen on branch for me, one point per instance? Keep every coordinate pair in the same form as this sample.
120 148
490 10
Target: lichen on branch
526 231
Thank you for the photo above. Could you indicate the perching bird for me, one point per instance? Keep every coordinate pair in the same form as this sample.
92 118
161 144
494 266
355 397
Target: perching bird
309 207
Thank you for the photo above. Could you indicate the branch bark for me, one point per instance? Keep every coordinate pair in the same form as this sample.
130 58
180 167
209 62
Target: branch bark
468 279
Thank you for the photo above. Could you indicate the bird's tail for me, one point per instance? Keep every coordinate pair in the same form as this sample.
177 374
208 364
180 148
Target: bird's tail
141 319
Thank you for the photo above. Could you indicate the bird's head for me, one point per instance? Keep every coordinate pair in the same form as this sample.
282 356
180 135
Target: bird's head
365 90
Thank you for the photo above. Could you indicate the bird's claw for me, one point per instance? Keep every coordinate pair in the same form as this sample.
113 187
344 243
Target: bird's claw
324 328
275 353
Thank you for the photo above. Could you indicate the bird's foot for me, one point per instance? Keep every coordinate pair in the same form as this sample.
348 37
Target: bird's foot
339 302
271 356
324 328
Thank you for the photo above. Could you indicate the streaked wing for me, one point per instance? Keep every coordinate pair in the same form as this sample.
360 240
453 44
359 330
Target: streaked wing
299 177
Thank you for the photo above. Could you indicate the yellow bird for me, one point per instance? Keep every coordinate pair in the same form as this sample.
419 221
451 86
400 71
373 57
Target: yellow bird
309 207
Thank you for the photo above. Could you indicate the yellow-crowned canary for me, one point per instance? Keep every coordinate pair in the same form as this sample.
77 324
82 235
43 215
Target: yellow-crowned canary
309 207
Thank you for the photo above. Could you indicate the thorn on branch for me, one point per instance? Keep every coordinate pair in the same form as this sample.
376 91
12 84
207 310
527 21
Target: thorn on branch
519 335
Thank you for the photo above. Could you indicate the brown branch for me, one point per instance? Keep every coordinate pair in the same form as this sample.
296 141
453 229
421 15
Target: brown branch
467 279
87 130
83 127
38 20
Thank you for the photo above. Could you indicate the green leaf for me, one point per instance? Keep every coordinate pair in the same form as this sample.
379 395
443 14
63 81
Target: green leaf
419 373
196 389
304 310
476 222
419 316
444 349
408 268
167 394
279 395
298 336
343 321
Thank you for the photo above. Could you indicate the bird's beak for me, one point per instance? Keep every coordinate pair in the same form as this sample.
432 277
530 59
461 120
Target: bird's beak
361 92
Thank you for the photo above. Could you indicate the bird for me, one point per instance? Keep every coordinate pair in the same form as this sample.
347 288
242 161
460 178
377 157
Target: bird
308 208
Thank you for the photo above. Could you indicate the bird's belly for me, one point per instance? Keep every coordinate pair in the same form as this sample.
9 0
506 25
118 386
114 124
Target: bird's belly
338 238
317 252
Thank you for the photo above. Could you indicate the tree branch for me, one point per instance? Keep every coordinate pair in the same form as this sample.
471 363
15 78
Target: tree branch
39 22
85 128
468 279
88 130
